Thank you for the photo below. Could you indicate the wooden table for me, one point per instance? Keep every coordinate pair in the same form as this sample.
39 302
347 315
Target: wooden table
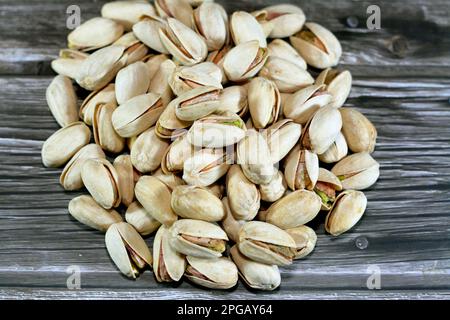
401 82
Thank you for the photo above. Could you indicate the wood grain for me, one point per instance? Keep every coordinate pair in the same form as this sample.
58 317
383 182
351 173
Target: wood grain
406 225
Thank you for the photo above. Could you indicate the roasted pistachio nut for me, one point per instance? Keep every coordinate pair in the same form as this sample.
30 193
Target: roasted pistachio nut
102 181
70 177
233 99
69 62
261 17
321 130
244 28
178 9
336 151
301 169
88 212
104 95
259 173
171 180
135 50
160 81
127 249
326 187
229 224
243 196
347 210
286 19
168 265
197 238
197 103
147 151
155 196
184 44
305 102
62 100
127 13
131 81
305 239
125 173
360 134
101 67
263 101
64 143
217 189
244 61
205 167
196 203
338 84
147 31
217 273
281 138
210 20
295 209
281 49
94 34
273 190
137 114
153 61
177 152
317 45
216 131
266 243
186 78
288 76
217 57
140 219
358 171
168 125
104 134
255 274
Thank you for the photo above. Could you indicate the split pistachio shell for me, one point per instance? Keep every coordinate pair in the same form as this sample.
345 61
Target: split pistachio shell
70 177
210 20
216 131
104 96
336 151
137 114
69 62
87 211
178 9
338 84
160 81
281 49
102 181
216 189
244 61
197 103
147 151
301 169
171 180
197 238
178 151
104 134
255 274
286 20
127 249
263 101
266 243
347 210
196 203
94 34
140 219
288 76
155 196
153 61
305 102
259 173
317 45
127 13
64 143
185 45
326 187
135 50
205 167
217 57
244 28
168 265
322 129
230 224
281 138
131 81
358 171
243 196
295 209
233 99
360 134
101 67
305 239
125 173
168 125
62 100
147 31
218 273
273 190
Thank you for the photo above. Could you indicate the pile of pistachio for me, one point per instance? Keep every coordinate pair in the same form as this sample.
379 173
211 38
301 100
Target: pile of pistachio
209 130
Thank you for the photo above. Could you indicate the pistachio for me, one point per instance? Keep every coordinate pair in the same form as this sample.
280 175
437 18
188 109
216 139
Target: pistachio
125 174
131 81
360 134
153 61
216 189
64 143
261 17
88 212
358 171
305 239
326 187
336 151
140 219
127 13
69 62
175 156
217 57
263 102
135 50
160 81
273 190
286 19
301 169
104 134
178 9
281 49
259 173
338 84
169 179
168 125
127 249
346 212
229 224
147 151
210 20
281 138
197 103
147 31
197 238
62 100
104 95
233 99
244 28
218 273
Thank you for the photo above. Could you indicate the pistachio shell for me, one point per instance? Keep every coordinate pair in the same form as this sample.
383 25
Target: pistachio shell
217 57
259 173
132 81
360 134
104 134
263 101
281 49
127 13
358 171
281 138
147 31
305 239
286 19
273 190
153 62
62 100
301 169
338 84
179 9
218 273
125 173
170 180
184 79
336 151
140 219
178 151
205 167
244 28
230 224
210 20
233 99
326 187
168 125
197 103
104 95
147 151
160 81
135 50
69 62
